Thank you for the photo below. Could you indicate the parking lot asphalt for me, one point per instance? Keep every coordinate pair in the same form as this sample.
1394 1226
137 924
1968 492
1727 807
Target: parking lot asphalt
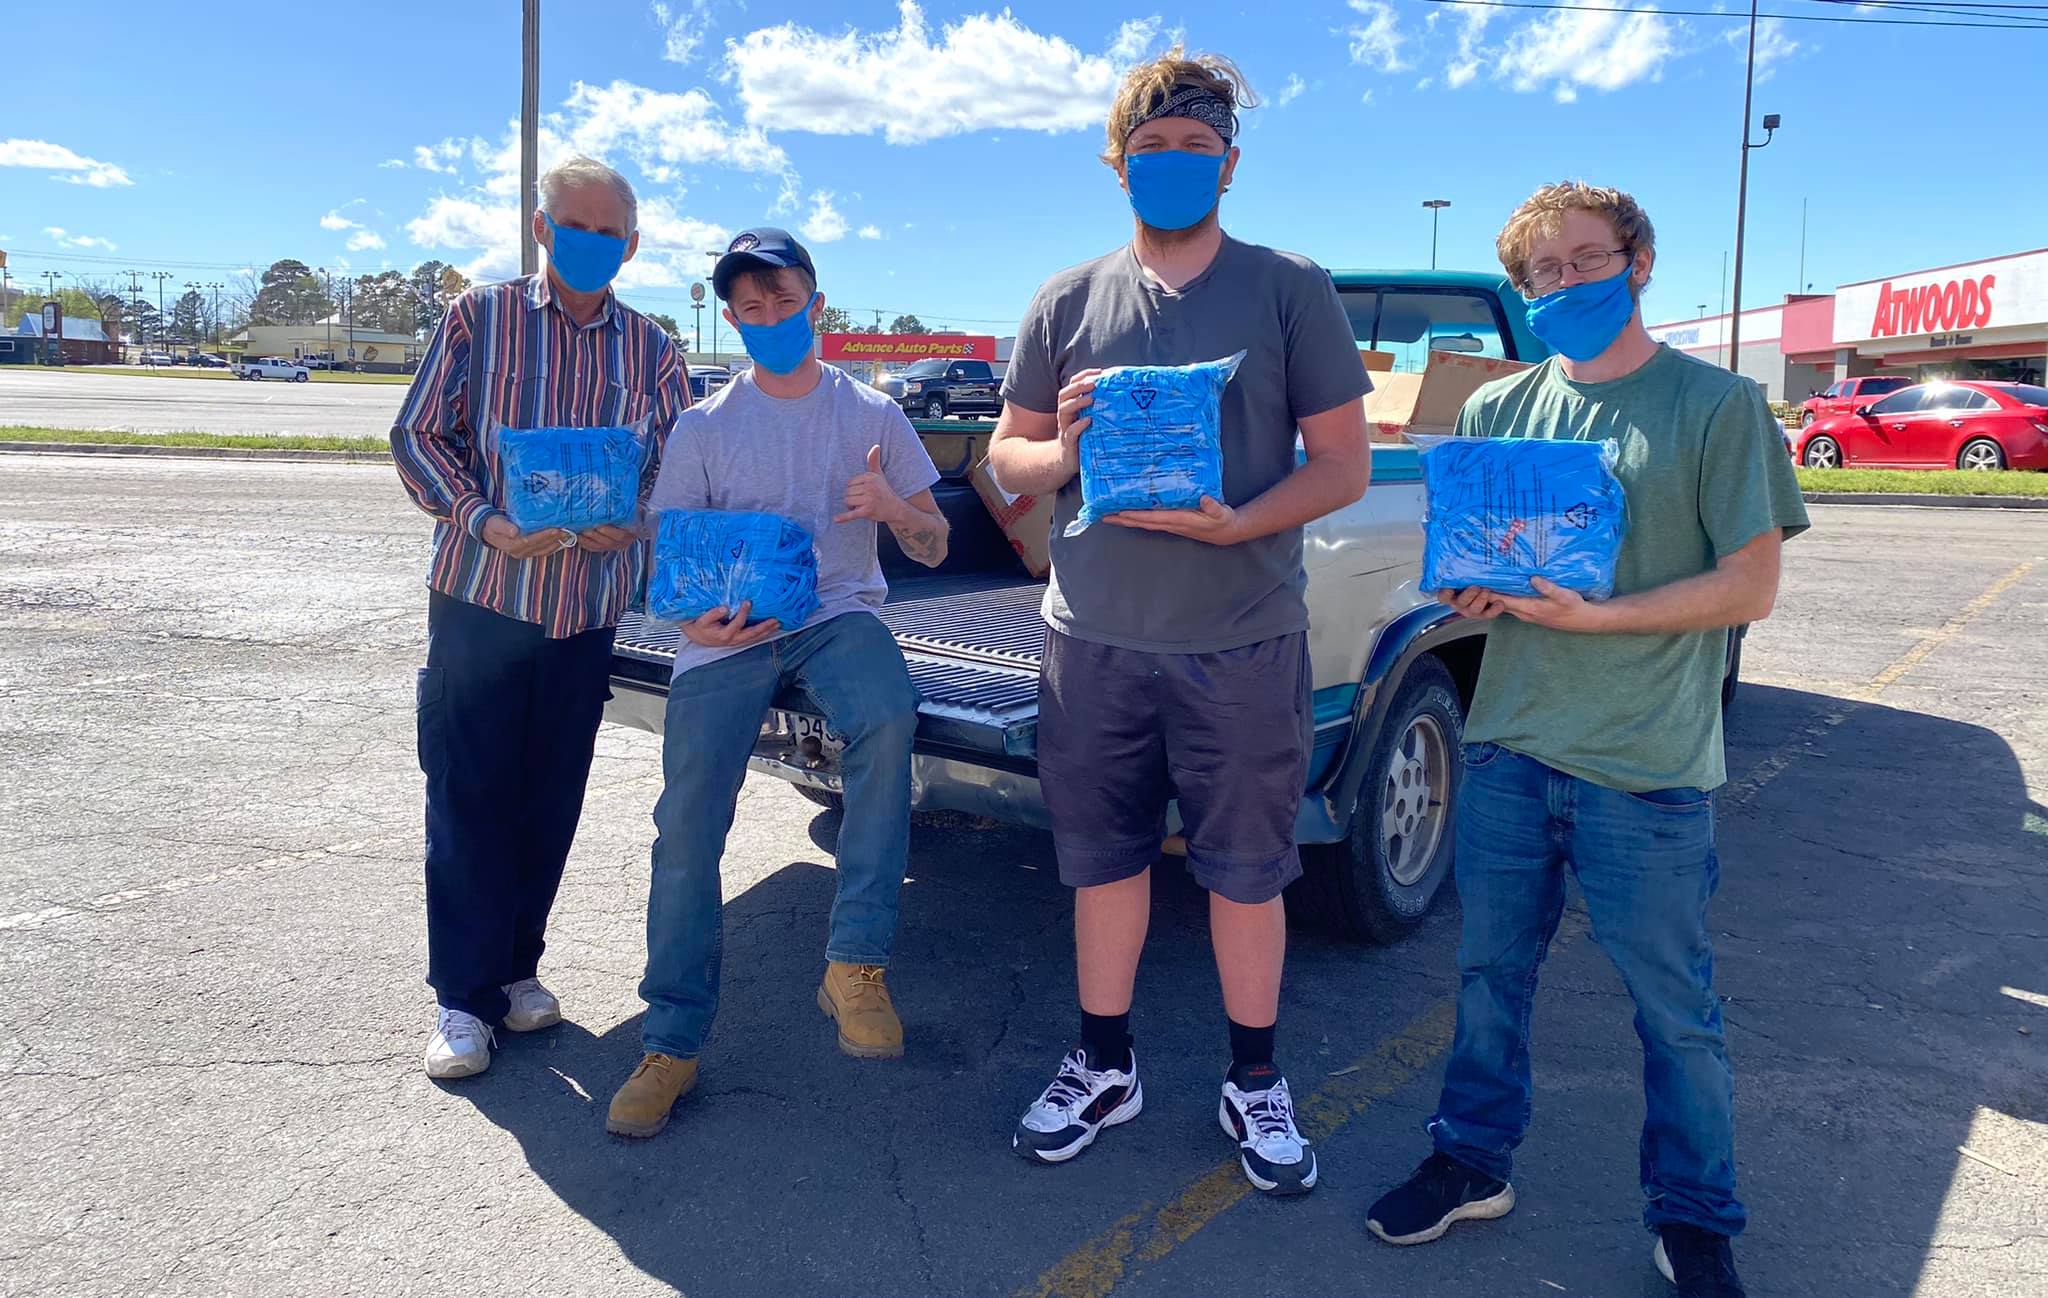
212 943
145 404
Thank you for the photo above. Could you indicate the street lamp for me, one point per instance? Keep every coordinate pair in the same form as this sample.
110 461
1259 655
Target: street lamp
1771 121
1436 207
697 305
714 255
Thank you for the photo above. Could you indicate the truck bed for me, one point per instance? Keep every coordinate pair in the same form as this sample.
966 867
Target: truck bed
972 643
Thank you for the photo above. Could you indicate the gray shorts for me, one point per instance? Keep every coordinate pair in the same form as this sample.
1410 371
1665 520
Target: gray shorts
1121 732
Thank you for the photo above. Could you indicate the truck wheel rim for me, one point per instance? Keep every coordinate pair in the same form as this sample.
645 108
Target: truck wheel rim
1980 456
1412 806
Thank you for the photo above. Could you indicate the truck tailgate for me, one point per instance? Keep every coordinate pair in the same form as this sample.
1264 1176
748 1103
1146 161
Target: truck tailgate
972 644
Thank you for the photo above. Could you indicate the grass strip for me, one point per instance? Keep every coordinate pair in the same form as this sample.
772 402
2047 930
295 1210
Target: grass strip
1939 482
185 372
210 441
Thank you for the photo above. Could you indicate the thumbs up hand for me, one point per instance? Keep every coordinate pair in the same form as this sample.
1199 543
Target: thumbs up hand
869 496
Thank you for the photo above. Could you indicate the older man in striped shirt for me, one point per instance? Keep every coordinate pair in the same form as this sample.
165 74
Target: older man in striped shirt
519 625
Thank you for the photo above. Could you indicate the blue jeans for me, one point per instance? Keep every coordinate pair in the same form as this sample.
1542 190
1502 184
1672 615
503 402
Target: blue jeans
1646 864
848 670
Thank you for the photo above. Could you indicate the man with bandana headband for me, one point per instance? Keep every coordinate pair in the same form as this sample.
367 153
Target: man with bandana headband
1176 664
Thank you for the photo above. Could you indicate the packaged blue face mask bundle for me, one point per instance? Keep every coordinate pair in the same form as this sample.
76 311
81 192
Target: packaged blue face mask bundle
713 558
574 478
1504 509
1154 439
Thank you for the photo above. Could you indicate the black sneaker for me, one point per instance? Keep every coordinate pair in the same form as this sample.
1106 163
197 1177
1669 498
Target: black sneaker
1080 1102
1441 1192
1698 1261
1274 1156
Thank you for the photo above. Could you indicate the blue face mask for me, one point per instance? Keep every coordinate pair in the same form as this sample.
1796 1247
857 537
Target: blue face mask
780 348
586 261
1171 190
1582 320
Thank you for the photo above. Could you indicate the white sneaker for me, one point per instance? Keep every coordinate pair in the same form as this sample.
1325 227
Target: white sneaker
533 1006
1080 1102
1275 1158
460 1047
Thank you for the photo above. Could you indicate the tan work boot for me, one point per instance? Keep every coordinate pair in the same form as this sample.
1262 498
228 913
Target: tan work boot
856 998
641 1107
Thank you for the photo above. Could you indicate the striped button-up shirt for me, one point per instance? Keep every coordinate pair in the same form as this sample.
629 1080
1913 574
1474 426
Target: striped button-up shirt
510 356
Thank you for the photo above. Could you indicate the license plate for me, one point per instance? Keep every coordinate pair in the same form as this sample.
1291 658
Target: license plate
800 726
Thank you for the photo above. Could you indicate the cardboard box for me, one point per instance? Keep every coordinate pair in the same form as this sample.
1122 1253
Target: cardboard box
1428 402
1025 520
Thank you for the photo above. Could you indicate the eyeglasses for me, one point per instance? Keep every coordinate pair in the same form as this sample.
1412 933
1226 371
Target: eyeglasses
1548 275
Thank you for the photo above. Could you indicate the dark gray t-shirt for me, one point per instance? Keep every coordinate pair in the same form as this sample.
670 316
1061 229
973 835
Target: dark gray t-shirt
1152 590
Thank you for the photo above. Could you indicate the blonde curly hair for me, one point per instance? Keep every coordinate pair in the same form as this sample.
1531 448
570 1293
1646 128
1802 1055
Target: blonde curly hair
1543 213
1148 83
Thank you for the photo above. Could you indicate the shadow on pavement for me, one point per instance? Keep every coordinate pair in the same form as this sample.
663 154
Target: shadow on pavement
1880 889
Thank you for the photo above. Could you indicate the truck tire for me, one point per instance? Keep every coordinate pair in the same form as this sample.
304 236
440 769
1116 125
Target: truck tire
935 408
300 378
1377 885
825 798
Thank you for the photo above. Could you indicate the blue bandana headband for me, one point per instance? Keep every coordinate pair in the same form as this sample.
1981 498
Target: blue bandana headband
1198 103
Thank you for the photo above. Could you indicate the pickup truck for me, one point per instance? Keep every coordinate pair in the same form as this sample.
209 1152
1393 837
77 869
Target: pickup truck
269 367
1394 670
1843 397
938 388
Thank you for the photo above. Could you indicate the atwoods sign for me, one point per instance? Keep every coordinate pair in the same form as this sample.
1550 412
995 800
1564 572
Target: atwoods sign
907 347
1933 308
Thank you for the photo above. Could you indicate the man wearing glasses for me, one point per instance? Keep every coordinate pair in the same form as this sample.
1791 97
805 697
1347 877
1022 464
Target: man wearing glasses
1594 739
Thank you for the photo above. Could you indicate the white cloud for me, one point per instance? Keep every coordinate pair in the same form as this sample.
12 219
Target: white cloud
1576 49
1773 46
365 240
985 72
1378 44
488 229
657 128
440 158
73 168
824 224
336 221
390 162
1290 92
871 232
1465 64
63 239
683 28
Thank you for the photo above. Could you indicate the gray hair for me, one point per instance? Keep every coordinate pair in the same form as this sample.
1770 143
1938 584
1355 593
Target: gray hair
573 173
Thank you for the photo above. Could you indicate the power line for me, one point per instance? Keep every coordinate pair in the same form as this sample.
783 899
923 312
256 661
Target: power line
2020 26
1941 7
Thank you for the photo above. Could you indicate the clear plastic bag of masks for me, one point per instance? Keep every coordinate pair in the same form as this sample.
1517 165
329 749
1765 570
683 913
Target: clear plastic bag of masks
1154 439
1503 510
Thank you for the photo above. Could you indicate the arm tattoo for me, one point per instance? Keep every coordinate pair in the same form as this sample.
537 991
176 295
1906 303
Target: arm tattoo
923 539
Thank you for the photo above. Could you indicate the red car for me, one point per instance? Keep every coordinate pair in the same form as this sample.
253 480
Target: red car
1843 397
1936 426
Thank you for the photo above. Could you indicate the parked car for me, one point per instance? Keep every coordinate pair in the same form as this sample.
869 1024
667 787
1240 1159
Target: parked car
1967 425
158 358
707 379
269 367
317 363
208 361
1843 397
938 387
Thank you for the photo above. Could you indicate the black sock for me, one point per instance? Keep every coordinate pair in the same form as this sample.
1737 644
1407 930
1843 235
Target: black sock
1251 1057
1107 1038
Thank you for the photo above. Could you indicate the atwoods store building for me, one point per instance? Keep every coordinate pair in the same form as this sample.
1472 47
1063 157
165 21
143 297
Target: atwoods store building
1980 320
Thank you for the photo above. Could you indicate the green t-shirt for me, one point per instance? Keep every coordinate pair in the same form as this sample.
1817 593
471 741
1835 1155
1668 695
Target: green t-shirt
1705 473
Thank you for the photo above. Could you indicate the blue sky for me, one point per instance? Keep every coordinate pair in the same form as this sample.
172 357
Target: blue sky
941 156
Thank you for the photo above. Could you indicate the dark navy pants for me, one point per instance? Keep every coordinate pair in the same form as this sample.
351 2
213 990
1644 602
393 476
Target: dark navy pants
507 722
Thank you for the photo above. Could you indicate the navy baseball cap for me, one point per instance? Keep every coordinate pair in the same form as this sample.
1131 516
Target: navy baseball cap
762 248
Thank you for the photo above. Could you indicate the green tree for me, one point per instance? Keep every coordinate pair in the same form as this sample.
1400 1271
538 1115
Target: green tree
835 320
290 293
431 285
188 317
668 325
385 302
907 324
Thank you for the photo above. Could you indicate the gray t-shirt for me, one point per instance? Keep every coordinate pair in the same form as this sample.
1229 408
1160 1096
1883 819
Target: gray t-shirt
742 449
1151 590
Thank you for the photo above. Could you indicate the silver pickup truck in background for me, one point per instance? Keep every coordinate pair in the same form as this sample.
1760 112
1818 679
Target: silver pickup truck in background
1394 670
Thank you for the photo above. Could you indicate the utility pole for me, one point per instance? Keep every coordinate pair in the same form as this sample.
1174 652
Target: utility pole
135 296
160 276
1803 285
714 254
1771 121
529 133
329 279
216 286
1436 207
1724 309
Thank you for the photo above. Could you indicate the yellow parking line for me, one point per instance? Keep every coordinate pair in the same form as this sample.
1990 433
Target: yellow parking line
1912 657
1146 1236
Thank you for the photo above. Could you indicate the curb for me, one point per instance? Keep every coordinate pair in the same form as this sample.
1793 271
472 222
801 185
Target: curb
1929 502
194 452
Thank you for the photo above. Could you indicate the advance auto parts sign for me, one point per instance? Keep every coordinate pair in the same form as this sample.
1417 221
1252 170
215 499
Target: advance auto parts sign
907 347
2009 292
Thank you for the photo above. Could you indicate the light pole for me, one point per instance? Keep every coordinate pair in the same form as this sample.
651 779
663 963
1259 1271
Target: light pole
697 305
329 280
1703 311
1436 207
529 132
216 286
160 276
714 255
1771 121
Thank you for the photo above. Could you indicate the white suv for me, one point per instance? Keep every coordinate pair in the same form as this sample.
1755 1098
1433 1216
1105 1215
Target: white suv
269 367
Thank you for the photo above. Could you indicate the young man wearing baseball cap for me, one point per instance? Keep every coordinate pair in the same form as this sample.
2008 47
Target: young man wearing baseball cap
794 437
1177 660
